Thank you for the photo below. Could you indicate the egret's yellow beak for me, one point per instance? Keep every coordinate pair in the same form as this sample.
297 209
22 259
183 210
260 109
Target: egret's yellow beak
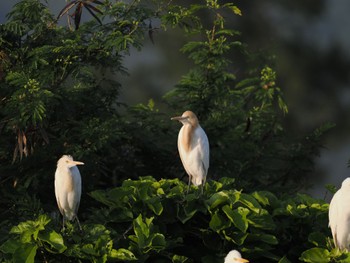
78 163
178 118
241 260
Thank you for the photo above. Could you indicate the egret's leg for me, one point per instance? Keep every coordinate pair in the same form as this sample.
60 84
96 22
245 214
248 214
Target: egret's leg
203 183
189 184
63 223
76 217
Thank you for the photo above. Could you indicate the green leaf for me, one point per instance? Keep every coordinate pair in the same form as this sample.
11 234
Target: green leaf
284 260
267 238
25 254
141 230
187 211
30 229
319 255
218 222
122 254
217 199
158 241
238 217
250 202
344 257
155 204
54 239
238 237
179 259
116 197
89 249
10 246
266 198
262 220
234 9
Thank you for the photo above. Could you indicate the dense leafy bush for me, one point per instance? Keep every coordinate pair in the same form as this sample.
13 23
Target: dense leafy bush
155 221
59 94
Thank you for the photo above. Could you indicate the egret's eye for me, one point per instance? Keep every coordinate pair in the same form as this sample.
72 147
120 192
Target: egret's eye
67 161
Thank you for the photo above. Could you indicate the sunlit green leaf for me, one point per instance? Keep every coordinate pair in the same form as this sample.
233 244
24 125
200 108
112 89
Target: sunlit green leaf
122 254
217 199
266 198
320 255
54 239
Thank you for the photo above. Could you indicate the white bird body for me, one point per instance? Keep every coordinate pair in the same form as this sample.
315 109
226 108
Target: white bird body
339 216
68 187
193 146
234 257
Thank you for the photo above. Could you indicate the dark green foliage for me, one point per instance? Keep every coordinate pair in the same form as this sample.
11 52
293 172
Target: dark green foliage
59 94
149 220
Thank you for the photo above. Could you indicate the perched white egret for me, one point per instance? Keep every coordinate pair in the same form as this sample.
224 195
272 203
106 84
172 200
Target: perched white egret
68 187
339 216
234 257
193 147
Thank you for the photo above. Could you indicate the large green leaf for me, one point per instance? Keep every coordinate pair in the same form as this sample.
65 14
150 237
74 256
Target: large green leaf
217 199
142 231
266 238
10 246
145 237
319 255
238 237
30 229
218 222
185 211
155 204
237 216
266 198
54 239
25 254
158 241
261 220
250 202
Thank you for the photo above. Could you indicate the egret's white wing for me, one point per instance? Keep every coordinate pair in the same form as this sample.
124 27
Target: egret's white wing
339 218
333 215
182 151
198 158
204 146
73 196
58 189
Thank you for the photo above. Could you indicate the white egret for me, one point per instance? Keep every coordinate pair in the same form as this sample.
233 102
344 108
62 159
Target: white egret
68 187
193 146
339 216
234 257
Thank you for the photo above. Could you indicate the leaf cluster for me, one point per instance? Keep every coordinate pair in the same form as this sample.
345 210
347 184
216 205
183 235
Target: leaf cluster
152 220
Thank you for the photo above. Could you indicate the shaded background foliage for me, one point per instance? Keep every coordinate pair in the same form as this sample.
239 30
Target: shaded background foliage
60 93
